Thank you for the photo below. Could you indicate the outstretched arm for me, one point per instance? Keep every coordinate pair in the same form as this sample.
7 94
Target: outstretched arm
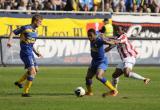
107 49
111 41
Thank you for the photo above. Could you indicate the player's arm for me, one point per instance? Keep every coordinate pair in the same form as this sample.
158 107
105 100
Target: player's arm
14 33
107 49
11 35
36 52
122 39
111 41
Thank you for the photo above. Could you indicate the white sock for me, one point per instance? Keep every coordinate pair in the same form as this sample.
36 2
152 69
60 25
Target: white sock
115 82
136 76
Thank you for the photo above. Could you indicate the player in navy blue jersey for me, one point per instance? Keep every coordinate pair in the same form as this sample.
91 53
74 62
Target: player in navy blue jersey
28 36
98 64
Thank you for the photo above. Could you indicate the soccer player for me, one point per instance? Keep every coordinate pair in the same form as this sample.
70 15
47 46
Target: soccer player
128 55
98 64
28 37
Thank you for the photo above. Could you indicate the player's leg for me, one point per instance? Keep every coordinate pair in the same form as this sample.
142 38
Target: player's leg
117 73
35 65
30 78
31 75
19 83
99 75
106 82
89 76
115 77
129 73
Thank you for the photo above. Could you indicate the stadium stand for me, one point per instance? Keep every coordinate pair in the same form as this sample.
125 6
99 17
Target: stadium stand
146 6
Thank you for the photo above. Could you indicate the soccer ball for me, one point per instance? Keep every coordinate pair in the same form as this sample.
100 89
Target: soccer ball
79 92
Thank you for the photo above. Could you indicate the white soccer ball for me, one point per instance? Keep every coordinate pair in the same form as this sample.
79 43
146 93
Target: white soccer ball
79 91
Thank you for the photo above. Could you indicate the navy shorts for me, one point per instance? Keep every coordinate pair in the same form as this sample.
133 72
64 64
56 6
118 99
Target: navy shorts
29 61
99 65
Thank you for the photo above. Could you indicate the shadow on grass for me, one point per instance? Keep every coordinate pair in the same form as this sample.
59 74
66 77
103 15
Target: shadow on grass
43 94
54 94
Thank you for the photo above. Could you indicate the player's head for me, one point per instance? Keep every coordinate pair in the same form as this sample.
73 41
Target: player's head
105 20
37 20
119 30
91 33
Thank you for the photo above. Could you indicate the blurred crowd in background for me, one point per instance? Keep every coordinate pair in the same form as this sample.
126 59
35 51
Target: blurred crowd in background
143 6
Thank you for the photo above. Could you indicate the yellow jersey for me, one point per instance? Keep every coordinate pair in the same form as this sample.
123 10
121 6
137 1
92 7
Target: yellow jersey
109 30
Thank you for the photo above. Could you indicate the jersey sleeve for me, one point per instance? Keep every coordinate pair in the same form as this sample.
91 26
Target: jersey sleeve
123 38
99 41
19 30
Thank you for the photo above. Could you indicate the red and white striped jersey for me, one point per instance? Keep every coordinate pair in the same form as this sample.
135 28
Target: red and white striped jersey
125 47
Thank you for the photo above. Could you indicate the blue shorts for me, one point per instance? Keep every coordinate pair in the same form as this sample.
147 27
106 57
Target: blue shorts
29 61
99 65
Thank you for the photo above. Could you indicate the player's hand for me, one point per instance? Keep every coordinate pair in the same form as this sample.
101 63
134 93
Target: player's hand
116 42
9 44
39 55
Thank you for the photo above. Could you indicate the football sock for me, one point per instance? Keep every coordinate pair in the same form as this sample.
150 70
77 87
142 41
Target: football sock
107 83
88 85
23 78
136 76
115 82
89 88
28 84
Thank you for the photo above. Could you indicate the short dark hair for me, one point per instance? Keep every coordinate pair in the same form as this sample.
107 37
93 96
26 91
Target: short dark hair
105 19
36 17
91 31
103 29
119 28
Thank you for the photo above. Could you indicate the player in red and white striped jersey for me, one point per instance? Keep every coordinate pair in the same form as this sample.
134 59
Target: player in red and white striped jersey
125 48
128 55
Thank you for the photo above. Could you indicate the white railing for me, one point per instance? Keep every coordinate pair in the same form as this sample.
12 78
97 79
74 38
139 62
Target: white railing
77 12
46 11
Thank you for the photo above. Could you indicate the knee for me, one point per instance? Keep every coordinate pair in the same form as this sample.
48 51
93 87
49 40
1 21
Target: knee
33 71
31 74
36 69
98 77
126 73
114 75
31 77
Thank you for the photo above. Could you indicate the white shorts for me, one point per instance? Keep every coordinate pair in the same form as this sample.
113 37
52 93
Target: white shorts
128 62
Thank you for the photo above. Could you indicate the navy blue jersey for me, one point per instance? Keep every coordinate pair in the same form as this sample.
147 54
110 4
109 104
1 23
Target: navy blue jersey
28 37
97 50
99 59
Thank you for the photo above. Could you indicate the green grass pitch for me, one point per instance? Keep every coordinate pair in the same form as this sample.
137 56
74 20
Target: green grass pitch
53 89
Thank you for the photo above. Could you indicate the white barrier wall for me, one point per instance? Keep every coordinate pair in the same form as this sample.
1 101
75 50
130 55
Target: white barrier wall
77 52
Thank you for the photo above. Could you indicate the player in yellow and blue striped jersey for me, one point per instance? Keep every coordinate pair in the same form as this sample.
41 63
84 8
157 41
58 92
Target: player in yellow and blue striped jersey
28 36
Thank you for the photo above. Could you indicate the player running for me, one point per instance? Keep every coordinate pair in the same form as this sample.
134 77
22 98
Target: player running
128 55
28 37
98 64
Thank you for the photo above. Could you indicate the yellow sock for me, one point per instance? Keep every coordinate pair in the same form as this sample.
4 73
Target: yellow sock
109 85
23 78
27 86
